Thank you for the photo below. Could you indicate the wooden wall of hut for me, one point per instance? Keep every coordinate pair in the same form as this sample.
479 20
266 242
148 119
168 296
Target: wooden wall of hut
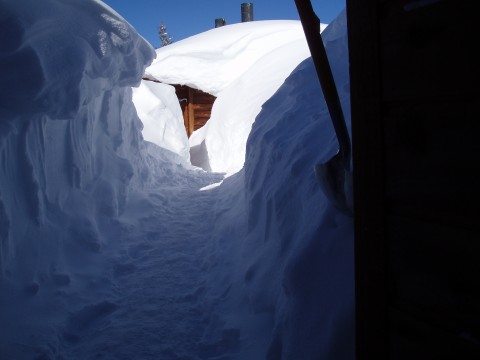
196 107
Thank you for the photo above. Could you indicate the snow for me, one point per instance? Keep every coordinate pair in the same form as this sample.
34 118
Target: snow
243 65
210 61
113 246
158 109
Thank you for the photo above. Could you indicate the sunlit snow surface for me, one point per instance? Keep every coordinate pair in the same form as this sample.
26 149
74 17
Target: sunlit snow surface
243 65
108 248
158 109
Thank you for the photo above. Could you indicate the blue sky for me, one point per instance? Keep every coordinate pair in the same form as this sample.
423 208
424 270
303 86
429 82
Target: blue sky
189 17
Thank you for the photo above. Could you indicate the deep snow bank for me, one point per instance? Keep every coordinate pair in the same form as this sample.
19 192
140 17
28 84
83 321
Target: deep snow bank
71 158
71 149
290 287
243 65
158 109
314 242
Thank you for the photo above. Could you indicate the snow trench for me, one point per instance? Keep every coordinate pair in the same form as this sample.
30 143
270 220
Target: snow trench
112 247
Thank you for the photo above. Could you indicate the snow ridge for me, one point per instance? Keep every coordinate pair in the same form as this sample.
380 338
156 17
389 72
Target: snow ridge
292 275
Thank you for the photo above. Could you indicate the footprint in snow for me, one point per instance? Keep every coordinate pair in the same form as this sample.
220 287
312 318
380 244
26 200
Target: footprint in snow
85 318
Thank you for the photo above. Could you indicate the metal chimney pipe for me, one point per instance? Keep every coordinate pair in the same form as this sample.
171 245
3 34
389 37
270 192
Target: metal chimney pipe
247 12
220 22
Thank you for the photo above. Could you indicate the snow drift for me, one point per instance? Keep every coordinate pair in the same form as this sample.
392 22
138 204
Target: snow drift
158 109
70 144
243 65
71 158
292 275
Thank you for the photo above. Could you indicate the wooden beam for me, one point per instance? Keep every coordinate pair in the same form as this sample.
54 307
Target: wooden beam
185 118
191 113
205 107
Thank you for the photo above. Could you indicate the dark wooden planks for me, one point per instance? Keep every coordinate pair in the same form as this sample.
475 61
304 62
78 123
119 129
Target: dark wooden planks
196 107
415 121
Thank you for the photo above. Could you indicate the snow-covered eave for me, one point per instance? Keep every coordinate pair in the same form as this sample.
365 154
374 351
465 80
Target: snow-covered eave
212 60
149 77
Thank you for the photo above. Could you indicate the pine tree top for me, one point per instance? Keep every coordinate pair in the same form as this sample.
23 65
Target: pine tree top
164 36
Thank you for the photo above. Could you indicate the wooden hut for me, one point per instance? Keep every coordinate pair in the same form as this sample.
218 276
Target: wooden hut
196 107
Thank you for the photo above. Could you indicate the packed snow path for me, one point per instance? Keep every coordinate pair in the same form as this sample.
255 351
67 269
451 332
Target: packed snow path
143 295
153 309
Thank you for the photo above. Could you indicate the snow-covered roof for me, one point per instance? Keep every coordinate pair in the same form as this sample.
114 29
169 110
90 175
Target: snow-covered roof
243 65
213 59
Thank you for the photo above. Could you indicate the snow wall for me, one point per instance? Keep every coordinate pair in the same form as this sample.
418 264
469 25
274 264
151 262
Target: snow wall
158 109
291 275
71 147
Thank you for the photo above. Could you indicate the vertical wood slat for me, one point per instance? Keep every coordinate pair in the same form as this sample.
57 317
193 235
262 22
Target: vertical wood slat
191 113
367 144
185 118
